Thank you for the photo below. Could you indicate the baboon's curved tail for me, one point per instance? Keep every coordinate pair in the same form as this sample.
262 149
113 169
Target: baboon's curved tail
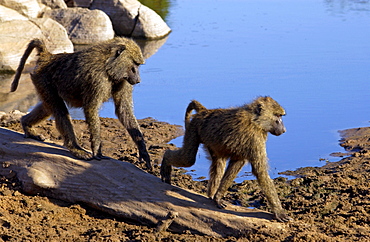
193 105
35 43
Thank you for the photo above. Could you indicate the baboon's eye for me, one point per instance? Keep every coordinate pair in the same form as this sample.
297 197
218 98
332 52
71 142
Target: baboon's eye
120 50
278 120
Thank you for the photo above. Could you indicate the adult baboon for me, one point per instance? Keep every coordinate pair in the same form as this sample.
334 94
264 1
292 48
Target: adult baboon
238 134
85 79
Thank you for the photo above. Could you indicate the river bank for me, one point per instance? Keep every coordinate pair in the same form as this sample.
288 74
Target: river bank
329 203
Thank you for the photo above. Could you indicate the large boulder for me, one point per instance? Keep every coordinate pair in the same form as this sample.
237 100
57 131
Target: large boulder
55 35
8 14
131 18
15 36
83 26
149 24
29 8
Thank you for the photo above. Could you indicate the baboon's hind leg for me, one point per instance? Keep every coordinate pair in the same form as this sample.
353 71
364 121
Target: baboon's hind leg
64 125
231 172
38 114
184 157
93 122
166 167
216 172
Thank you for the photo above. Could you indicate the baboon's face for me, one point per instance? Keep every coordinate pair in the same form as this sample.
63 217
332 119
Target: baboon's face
277 126
123 65
270 115
133 76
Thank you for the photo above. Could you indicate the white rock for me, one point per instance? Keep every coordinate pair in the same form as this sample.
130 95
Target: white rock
29 8
131 18
150 25
83 26
55 35
15 36
8 14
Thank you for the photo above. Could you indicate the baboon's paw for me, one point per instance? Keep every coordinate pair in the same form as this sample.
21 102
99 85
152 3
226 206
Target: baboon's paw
144 156
220 204
165 177
282 217
149 166
81 154
166 171
35 137
101 157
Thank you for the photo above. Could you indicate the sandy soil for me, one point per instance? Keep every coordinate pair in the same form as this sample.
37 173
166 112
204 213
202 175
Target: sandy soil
330 203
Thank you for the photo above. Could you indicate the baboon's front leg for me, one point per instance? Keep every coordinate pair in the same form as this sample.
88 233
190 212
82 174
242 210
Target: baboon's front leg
259 169
122 98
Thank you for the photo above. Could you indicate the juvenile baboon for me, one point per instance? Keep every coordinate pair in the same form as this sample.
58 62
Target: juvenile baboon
238 134
85 79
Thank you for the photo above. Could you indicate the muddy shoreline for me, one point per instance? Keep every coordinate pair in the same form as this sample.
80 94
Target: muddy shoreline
329 203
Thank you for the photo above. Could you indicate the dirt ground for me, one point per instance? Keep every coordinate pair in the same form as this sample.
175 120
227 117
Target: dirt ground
330 203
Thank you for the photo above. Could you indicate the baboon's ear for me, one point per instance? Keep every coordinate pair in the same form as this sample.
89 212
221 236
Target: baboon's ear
258 109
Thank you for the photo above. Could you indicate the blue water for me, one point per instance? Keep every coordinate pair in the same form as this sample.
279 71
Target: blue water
312 56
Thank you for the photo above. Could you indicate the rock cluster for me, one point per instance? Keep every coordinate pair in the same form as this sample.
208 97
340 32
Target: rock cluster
61 26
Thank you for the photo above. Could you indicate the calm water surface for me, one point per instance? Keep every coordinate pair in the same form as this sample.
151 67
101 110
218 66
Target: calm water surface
312 56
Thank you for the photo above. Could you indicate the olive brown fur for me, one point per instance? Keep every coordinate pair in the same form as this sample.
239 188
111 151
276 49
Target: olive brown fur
85 79
235 134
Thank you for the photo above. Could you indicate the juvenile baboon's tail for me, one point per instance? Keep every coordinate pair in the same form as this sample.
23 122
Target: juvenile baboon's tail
194 105
35 43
